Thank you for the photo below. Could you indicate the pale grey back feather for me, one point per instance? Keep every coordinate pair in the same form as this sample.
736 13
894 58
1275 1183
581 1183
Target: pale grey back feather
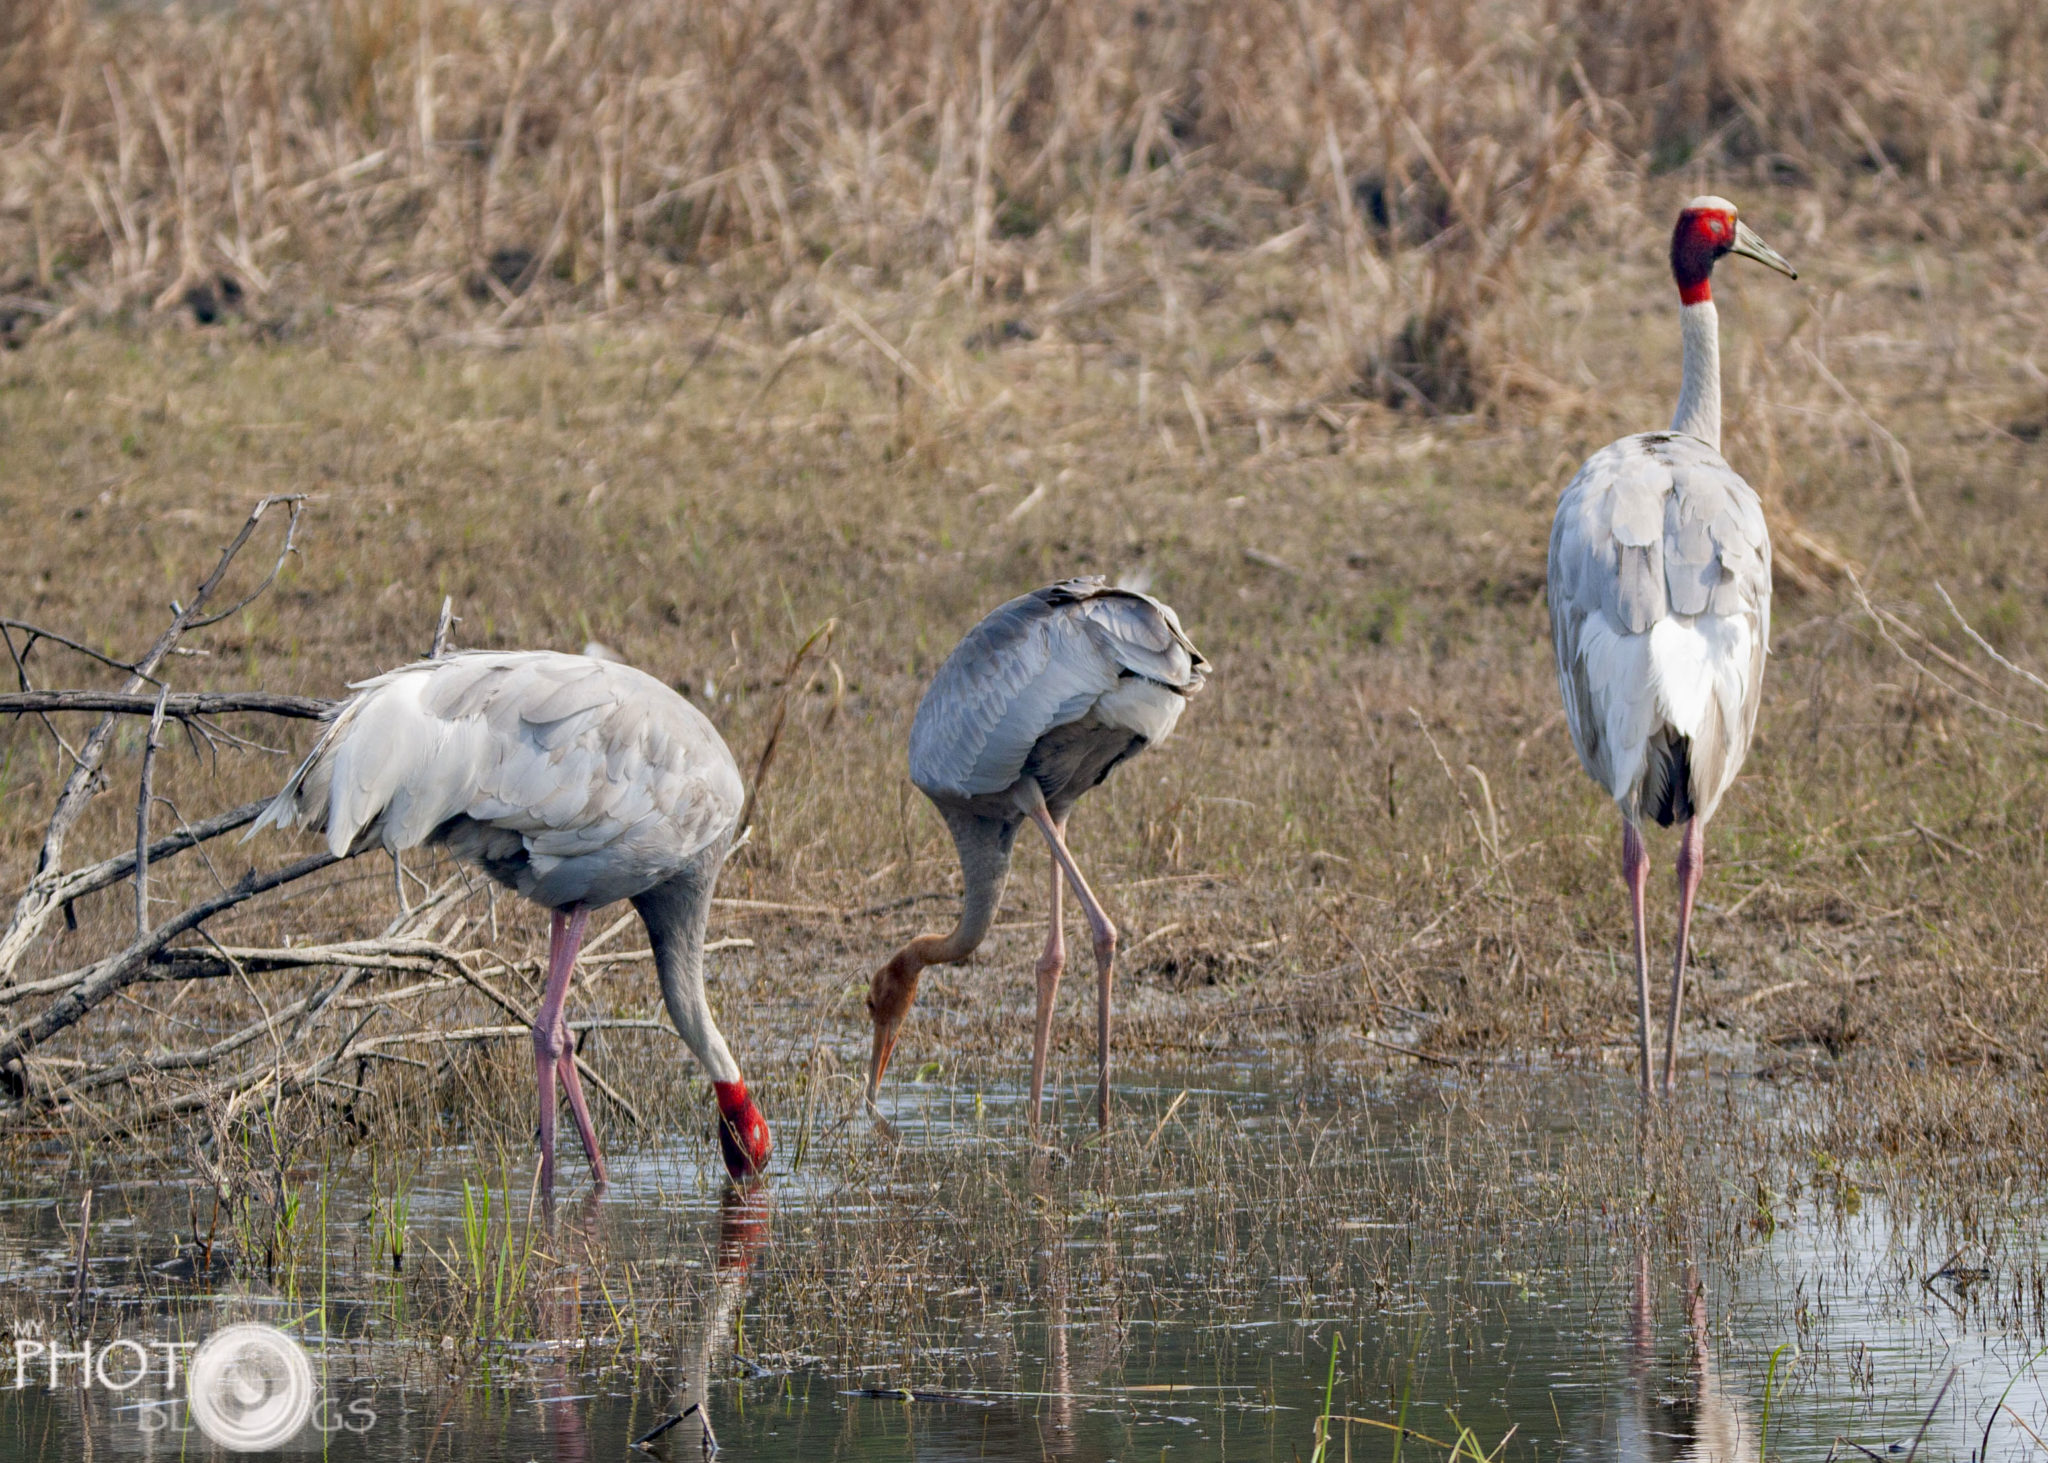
1657 526
1033 665
568 778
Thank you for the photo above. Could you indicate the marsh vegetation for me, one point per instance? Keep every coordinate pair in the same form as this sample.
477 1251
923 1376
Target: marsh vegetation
689 338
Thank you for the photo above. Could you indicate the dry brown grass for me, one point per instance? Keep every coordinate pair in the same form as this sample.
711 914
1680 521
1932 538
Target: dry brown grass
426 167
789 343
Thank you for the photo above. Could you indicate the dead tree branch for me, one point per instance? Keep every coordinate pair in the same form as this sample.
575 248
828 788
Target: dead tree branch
146 795
1985 645
205 1056
179 706
130 965
295 1044
39 903
95 877
1886 622
215 962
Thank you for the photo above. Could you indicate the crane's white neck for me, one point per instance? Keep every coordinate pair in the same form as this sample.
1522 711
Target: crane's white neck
1699 398
676 914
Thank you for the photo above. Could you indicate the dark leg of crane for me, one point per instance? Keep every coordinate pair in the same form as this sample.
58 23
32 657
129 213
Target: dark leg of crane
553 1054
1104 931
1635 870
1050 964
1692 857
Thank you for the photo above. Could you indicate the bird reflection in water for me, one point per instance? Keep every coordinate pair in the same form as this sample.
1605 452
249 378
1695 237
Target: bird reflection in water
1701 1422
1056 1421
560 1321
744 1215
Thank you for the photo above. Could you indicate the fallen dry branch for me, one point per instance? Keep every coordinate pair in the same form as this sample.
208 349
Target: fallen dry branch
396 956
155 952
120 971
1890 628
239 1090
214 962
2021 672
176 705
206 1056
94 877
40 902
496 1033
294 1041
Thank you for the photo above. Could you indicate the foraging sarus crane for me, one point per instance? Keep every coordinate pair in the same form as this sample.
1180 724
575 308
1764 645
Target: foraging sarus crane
1660 608
1035 706
576 782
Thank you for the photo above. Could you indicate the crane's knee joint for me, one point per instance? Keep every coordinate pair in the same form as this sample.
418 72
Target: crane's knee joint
552 1044
1050 964
1105 944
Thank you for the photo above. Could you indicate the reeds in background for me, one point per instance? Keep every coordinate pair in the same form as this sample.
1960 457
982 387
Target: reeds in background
415 164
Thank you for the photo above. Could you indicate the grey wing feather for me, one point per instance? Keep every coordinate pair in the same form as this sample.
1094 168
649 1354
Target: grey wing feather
1035 664
1635 504
1653 526
1717 551
579 777
1577 565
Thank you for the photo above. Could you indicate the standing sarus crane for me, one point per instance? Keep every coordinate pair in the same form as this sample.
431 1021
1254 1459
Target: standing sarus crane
1035 706
574 781
1660 608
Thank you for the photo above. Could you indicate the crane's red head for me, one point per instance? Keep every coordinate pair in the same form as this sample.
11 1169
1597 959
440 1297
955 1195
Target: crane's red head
1707 229
742 1131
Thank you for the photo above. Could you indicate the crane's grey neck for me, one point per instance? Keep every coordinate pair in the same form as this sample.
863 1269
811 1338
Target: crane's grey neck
1699 398
984 845
676 915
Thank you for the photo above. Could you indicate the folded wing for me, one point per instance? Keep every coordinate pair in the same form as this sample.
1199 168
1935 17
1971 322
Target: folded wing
1035 664
564 776
1660 603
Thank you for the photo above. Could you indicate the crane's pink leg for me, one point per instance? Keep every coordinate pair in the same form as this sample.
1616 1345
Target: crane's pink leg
580 1109
553 1053
1050 964
1104 931
1692 858
1635 870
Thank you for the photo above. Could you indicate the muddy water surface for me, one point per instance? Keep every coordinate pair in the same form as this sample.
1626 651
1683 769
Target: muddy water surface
1493 1260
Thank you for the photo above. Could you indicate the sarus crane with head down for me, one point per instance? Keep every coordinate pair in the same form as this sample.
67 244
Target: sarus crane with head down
1660 608
574 781
1036 705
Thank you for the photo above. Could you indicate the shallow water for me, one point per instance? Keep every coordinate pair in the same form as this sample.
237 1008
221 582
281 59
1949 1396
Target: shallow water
1179 1300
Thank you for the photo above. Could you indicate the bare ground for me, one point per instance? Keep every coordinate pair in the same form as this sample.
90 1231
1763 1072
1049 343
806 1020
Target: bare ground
1371 833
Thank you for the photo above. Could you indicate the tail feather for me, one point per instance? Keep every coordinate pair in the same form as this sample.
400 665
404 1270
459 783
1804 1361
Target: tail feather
302 801
1667 778
387 769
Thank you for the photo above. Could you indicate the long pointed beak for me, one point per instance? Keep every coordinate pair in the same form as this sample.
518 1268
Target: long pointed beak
1749 246
878 1056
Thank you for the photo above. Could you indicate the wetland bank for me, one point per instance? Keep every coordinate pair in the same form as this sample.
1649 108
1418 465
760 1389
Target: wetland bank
1376 1081
872 319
